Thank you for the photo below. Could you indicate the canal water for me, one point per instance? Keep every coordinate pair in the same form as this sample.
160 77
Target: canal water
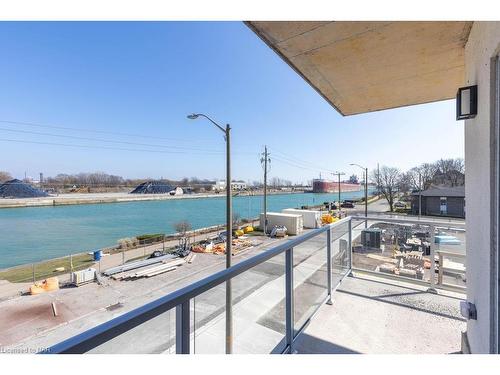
33 234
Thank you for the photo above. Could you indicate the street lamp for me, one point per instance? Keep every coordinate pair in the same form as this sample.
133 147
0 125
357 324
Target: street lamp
366 189
229 228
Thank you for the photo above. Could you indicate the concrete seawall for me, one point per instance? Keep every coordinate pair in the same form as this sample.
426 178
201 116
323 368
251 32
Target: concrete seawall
97 198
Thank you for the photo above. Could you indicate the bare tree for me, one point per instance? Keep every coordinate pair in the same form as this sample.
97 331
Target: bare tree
5 176
236 219
406 182
388 181
450 172
183 227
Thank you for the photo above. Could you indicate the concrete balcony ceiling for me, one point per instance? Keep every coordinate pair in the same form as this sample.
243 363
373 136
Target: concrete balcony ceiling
362 67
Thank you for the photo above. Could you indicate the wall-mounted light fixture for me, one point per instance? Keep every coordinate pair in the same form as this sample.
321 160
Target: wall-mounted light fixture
466 102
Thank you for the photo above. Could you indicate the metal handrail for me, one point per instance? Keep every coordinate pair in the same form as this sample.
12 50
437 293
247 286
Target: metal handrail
437 222
104 332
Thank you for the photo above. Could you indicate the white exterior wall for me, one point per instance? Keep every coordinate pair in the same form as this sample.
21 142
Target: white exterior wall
482 46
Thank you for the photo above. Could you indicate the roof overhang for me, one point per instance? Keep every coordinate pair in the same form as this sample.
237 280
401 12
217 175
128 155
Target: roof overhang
362 67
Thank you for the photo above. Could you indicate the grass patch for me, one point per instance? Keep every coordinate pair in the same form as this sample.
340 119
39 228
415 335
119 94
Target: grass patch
46 269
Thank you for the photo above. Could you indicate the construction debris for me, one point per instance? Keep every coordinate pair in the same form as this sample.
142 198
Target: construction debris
239 244
54 309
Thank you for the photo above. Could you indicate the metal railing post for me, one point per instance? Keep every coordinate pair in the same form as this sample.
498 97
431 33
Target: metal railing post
182 328
289 299
432 270
349 243
440 271
329 264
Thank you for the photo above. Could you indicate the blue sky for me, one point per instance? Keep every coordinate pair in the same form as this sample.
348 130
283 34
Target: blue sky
129 86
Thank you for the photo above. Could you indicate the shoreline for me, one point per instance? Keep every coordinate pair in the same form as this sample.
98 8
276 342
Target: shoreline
168 237
99 198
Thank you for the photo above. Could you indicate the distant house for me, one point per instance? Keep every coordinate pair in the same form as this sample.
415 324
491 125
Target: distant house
441 201
235 185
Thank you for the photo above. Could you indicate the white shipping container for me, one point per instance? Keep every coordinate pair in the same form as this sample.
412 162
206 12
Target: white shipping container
293 223
312 219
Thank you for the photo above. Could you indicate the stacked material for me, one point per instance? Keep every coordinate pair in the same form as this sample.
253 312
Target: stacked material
18 189
150 271
153 187
138 264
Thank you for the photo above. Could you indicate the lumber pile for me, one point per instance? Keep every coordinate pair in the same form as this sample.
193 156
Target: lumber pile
149 271
138 264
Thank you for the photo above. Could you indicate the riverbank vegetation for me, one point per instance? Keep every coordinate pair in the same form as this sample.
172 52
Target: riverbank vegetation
42 270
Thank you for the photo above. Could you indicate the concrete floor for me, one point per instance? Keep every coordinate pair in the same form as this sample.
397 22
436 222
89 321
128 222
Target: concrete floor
374 316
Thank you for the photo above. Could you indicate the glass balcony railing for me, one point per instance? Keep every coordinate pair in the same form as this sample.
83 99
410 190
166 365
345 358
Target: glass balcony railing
277 292
430 251
274 296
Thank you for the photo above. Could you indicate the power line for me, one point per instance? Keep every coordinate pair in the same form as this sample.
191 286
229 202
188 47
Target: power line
96 131
302 162
110 148
106 140
293 164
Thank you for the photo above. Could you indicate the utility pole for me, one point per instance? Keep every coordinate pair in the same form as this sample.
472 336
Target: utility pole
339 189
365 170
265 160
338 175
419 195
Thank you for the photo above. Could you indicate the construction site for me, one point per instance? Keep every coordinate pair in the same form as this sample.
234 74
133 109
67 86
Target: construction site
39 314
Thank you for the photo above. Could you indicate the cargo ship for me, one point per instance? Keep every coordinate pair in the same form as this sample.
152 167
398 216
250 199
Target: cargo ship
328 186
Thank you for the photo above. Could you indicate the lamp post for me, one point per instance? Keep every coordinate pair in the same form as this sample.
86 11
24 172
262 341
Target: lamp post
229 228
366 189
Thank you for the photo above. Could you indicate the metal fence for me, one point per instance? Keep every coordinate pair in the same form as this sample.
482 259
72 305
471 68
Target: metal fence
275 294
